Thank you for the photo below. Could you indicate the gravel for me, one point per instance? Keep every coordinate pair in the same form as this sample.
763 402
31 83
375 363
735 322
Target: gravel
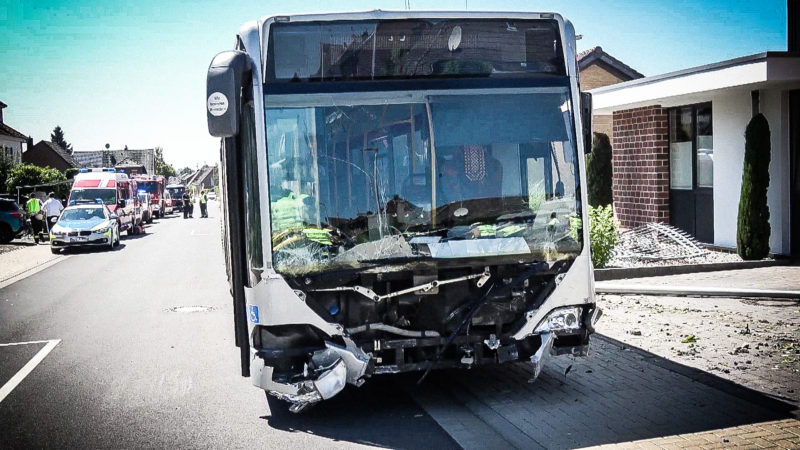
755 343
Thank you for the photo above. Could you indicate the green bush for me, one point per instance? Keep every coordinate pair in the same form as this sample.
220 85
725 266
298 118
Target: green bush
753 230
599 171
30 175
603 234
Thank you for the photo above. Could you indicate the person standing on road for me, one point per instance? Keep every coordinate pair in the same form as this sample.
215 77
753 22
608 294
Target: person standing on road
203 203
52 209
34 207
186 199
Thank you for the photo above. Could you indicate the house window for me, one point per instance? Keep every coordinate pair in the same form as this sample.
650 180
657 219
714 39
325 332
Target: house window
680 148
705 147
691 147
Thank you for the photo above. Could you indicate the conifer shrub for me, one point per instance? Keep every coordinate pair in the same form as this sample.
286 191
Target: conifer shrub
599 171
753 230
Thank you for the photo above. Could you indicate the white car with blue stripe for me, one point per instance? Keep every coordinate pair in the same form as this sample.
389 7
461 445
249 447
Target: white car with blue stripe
85 224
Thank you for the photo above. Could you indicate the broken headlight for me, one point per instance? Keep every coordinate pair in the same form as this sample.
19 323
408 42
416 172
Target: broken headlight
561 320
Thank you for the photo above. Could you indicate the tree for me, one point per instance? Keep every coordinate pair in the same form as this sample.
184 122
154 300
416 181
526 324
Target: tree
57 137
6 164
753 230
70 172
162 167
186 170
30 175
599 171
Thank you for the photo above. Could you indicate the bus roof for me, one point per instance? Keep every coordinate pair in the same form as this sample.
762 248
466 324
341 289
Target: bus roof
378 14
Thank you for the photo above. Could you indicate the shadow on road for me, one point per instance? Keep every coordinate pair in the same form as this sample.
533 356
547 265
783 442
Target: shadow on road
619 394
22 243
379 413
91 249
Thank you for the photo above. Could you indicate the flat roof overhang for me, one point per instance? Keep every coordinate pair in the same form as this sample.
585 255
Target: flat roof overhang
690 85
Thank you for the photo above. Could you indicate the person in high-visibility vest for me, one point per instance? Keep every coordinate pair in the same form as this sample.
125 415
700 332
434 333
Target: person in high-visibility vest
289 213
203 203
34 207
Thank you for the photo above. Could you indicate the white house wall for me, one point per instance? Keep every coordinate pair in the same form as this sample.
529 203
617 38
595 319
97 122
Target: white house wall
730 113
14 143
775 107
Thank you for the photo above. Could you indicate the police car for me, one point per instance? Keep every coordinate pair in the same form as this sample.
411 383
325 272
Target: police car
85 224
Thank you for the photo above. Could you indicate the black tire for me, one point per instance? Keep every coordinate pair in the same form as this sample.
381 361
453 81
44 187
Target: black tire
5 234
149 219
54 250
116 243
277 407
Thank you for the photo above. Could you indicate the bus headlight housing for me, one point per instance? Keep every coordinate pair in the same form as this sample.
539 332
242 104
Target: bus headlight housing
561 320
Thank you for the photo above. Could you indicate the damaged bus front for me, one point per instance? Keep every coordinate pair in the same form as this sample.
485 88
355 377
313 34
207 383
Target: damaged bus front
402 192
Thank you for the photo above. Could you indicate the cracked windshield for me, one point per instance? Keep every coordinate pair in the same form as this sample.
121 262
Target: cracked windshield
445 177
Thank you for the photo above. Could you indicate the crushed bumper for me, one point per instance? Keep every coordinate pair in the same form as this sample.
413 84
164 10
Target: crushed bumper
337 366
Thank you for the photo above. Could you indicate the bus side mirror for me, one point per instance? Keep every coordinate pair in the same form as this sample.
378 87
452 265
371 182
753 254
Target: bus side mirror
586 119
224 83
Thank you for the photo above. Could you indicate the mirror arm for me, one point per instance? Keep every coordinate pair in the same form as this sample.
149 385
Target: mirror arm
586 120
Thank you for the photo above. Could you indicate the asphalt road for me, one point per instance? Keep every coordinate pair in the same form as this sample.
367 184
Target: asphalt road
131 372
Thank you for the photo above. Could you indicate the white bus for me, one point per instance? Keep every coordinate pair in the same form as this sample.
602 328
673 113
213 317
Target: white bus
402 191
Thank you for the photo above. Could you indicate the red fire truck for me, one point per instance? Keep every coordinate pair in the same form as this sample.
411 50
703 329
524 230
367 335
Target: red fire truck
153 185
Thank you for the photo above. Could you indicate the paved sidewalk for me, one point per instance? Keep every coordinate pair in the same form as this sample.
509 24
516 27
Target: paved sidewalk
776 277
24 261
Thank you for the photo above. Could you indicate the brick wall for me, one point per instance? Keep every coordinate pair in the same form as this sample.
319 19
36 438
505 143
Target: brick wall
597 75
641 165
602 124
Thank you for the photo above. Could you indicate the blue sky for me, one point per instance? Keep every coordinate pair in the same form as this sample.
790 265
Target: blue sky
133 73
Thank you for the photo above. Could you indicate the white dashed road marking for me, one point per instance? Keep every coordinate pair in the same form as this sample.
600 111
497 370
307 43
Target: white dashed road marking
27 368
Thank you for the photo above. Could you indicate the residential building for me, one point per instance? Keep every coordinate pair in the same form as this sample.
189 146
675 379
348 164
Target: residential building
110 158
678 146
49 154
597 69
202 178
11 140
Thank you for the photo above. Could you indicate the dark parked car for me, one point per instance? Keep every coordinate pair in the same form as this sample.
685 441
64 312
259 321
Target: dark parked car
12 220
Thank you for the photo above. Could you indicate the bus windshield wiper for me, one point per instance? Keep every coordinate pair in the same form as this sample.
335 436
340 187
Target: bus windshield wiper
370 294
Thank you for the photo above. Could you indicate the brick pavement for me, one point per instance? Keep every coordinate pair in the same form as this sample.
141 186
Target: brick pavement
773 434
617 395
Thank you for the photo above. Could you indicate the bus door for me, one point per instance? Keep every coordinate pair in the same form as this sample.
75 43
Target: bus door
227 78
